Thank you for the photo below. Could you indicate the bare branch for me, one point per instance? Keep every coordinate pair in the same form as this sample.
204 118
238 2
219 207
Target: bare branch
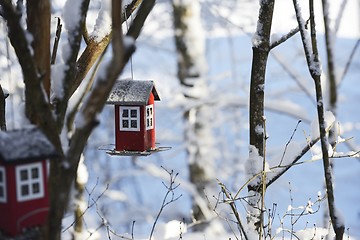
94 49
56 41
38 24
297 158
37 107
74 41
313 62
130 8
233 209
284 38
71 115
348 63
170 190
2 110
139 20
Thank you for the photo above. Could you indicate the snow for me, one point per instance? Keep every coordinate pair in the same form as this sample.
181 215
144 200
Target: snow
72 14
82 173
135 184
25 144
329 121
257 38
194 37
57 79
254 163
132 92
102 27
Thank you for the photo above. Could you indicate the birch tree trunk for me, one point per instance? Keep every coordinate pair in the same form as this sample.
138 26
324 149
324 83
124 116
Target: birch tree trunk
190 47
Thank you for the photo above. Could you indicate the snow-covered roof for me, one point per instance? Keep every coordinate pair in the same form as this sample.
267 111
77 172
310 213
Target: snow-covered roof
25 145
132 92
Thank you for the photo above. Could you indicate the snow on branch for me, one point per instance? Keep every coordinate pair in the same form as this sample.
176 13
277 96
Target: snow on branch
312 58
312 61
102 27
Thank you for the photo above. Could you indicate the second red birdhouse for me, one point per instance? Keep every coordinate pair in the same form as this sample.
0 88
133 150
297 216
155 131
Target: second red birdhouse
134 115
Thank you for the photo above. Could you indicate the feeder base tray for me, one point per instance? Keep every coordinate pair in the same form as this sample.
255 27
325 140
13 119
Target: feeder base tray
113 152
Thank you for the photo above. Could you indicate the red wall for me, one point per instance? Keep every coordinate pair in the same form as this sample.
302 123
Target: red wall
142 140
14 215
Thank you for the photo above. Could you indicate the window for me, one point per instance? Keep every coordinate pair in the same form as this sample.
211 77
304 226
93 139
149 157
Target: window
149 117
2 185
129 118
29 179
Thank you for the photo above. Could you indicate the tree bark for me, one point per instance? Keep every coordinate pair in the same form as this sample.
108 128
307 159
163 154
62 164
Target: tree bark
39 111
38 23
190 72
2 110
313 62
261 48
332 82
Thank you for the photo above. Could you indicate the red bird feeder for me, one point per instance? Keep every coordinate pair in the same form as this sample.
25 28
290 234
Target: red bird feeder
134 117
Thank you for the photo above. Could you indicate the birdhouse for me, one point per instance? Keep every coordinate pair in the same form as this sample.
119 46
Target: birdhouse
24 198
134 116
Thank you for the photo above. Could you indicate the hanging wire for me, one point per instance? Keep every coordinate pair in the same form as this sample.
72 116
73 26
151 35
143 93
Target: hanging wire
131 58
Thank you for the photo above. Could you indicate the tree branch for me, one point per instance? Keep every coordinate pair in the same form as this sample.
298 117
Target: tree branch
2 110
38 24
74 41
138 23
37 108
94 49
56 41
86 118
313 62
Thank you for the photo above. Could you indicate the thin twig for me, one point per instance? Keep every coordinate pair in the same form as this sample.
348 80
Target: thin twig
170 190
234 210
56 41
287 144
94 202
285 37
348 63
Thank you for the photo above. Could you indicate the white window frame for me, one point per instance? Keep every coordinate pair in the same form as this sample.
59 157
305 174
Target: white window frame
129 118
3 198
149 113
29 182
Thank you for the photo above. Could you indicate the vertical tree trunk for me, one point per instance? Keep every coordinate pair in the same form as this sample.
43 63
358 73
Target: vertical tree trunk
189 41
38 22
261 48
